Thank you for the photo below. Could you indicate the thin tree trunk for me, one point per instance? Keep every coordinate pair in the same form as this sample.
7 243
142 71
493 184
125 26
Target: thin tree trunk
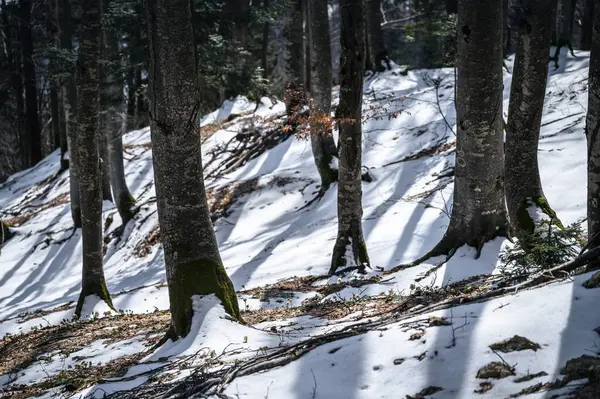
192 258
592 130
265 44
295 62
323 145
523 184
87 158
104 167
236 13
307 45
587 24
5 233
55 122
478 211
377 49
350 245
69 96
31 107
113 103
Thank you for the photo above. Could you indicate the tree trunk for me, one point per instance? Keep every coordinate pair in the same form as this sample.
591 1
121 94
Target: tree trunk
451 6
377 50
5 233
104 167
592 129
265 45
295 62
565 13
113 104
192 258
350 245
307 45
236 13
34 138
69 96
523 184
587 24
323 145
87 158
505 29
478 211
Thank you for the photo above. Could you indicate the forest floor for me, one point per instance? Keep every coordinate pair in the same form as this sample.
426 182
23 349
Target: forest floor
399 331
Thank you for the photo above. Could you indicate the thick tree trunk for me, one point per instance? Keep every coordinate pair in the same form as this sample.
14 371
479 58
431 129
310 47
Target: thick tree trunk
236 13
323 145
523 184
350 245
69 96
478 211
592 130
295 58
34 138
113 104
377 50
5 233
587 25
565 13
87 158
192 258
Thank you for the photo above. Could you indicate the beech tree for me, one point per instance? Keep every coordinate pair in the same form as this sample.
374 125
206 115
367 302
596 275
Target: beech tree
478 211
592 127
350 243
69 97
192 258
295 57
113 123
565 14
323 145
87 149
523 184
377 51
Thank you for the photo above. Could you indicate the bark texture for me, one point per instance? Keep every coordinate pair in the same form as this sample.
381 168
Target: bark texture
593 140
323 145
113 103
87 158
376 46
192 258
350 245
587 24
69 96
528 89
478 211
295 57
33 154
565 13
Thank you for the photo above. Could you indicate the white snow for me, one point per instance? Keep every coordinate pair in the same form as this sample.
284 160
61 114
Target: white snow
266 237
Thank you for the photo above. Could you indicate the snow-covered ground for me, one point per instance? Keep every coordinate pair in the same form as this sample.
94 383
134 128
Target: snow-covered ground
266 237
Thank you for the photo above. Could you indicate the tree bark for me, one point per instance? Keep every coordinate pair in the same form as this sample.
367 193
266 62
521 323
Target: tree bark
478 211
565 14
87 158
265 45
322 143
377 50
350 245
587 25
237 17
34 139
307 45
69 96
104 167
295 58
113 104
528 89
192 258
592 129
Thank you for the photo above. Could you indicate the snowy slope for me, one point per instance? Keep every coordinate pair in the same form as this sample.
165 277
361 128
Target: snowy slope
266 237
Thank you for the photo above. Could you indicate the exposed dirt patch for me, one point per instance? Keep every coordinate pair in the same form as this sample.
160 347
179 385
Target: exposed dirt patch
496 370
484 387
425 392
221 199
516 343
144 247
20 351
530 377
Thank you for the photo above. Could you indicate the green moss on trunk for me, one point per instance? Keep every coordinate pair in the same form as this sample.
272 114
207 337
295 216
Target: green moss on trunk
5 233
125 206
200 277
526 223
97 288
359 251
